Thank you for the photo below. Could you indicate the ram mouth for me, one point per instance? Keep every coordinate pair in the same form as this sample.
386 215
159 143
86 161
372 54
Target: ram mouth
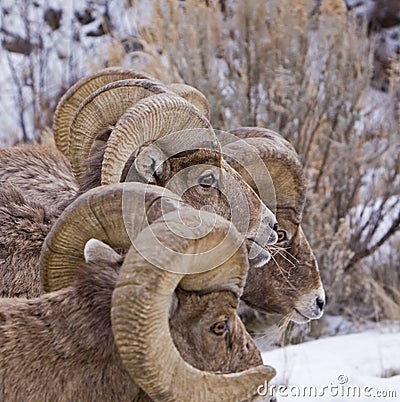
299 318
259 254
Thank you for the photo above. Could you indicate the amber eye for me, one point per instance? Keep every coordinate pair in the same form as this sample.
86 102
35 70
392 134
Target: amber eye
282 235
207 180
219 328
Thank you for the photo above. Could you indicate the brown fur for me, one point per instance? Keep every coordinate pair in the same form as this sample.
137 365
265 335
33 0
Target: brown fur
274 288
24 226
40 173
92 177
61 346
385 14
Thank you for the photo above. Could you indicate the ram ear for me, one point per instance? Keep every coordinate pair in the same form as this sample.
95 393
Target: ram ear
151 164
96 251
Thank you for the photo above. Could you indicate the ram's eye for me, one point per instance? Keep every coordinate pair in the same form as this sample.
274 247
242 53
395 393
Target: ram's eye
282 235
219 328
207 180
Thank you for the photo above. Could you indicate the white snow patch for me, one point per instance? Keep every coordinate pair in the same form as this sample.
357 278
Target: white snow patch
359 367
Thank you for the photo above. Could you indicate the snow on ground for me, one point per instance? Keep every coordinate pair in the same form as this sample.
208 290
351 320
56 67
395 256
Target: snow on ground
356 367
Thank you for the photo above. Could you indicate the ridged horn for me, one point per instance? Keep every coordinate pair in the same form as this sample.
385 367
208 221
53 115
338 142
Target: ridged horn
140 312
283 164
113 214
148 120
70 101
193 96
100 111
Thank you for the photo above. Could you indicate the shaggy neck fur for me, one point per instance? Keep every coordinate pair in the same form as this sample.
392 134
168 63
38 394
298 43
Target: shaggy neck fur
77 338
24 226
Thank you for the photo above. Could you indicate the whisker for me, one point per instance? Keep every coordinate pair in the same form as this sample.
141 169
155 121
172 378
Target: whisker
283 256
271 334
285 274
286 249
280 268
283 332
276 249
286 326
290 254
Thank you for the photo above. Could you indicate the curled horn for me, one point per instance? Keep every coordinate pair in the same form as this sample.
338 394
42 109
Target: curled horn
148 120
71 100
100 111
112 214
140 312
192 95
283 164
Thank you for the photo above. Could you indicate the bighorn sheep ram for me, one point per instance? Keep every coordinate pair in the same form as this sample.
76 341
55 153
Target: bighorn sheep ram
109 330
290 285
156 112
293 279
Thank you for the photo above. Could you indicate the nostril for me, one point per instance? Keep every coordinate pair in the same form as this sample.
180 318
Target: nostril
320 303
275 227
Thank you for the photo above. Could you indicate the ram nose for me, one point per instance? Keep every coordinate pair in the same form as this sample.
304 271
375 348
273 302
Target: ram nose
320 303
310 306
